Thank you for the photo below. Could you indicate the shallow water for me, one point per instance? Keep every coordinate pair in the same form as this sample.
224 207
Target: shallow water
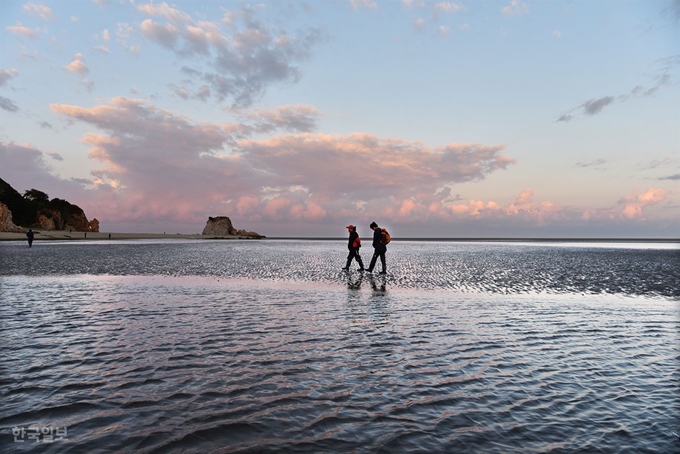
267 346
505 268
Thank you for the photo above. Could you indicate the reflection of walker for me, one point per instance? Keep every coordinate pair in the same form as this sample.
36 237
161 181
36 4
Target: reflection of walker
374 286
354 284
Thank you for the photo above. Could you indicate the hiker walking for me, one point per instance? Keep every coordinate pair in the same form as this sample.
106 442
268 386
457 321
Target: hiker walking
30 235
380 240
353 245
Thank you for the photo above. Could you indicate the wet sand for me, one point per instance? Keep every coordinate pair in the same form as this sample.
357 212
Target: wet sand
41 235
180 346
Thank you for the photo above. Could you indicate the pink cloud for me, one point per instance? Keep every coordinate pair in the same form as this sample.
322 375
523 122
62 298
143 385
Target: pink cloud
472 208
183 172
515 8
165 35
189 170
375 167
6 75
21 31
198 39
524 205
166 11
77 66
311 211
247 207
525 197
275 208
36 9
426 208
635 202
634 205
156 165
407 207
299 118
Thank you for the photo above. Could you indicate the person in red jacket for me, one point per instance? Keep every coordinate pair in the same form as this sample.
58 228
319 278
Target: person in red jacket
353 245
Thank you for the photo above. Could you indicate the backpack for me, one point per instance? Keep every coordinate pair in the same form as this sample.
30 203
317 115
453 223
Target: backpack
385 237
357 243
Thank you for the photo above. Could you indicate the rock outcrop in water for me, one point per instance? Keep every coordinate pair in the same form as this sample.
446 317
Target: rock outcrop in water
93 225
6 224
222 226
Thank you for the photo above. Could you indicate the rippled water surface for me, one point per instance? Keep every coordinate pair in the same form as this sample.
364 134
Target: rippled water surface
267 346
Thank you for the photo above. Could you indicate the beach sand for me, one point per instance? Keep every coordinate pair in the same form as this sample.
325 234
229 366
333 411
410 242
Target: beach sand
41 235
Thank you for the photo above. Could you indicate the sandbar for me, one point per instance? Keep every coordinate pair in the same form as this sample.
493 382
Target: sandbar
41 235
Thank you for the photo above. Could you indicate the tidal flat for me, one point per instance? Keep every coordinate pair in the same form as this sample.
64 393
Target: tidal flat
268 346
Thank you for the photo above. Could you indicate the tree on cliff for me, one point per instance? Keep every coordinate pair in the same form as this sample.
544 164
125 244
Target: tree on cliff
35 196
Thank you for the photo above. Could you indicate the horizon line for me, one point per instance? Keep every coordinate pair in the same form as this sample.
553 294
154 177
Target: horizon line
589 239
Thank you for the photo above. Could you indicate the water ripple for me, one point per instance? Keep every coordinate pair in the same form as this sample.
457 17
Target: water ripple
285 361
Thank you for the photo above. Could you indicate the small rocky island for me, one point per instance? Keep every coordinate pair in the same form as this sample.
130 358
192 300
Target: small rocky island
222 226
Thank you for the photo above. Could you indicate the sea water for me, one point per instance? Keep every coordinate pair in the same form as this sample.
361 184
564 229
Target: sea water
268 346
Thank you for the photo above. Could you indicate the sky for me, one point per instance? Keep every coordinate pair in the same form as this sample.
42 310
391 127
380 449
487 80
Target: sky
503 118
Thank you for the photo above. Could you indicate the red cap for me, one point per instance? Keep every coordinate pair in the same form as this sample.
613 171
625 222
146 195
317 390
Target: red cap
350 226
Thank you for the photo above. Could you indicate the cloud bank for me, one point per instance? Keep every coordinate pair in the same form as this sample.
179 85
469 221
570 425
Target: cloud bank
190 170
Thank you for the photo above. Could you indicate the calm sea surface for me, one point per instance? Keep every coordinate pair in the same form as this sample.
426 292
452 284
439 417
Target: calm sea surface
268 346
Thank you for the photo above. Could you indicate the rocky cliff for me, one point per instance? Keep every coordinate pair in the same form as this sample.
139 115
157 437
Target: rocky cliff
6 224
35 209
222 226
23 212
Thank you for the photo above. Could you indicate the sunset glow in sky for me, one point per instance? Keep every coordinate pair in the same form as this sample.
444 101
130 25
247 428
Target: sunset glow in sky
504 118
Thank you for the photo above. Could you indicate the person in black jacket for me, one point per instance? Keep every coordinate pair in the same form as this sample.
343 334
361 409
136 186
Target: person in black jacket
379 249
353 245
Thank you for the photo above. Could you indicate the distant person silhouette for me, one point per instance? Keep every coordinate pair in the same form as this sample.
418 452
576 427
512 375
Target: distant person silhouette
30 235
379 249
353 245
